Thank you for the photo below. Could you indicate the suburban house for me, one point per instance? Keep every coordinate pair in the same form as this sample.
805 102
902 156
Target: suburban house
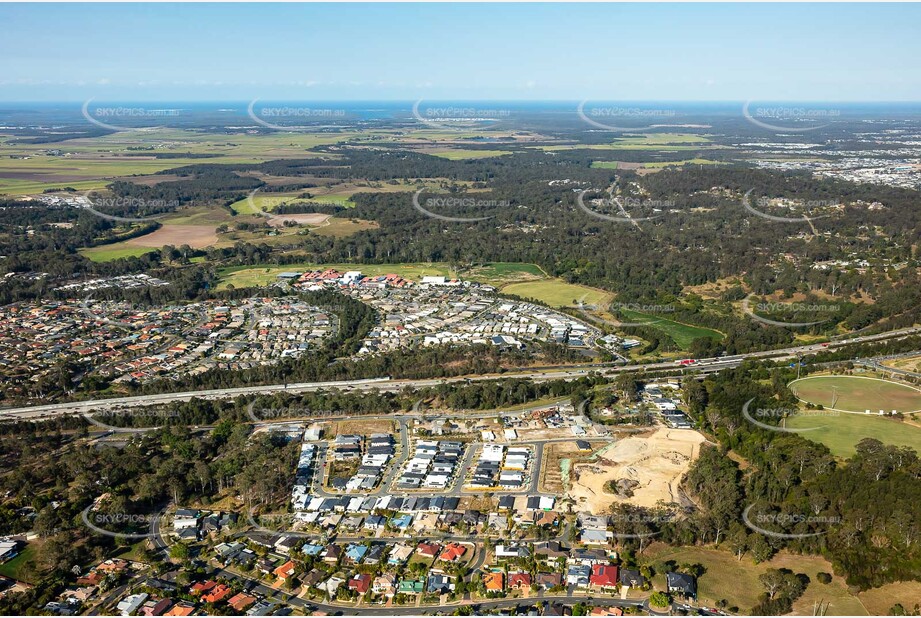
411 586
241 602
360 583
632 578
284 571
549 580
682 585
439 583
519 581
494 582
452 552
604 576
578 574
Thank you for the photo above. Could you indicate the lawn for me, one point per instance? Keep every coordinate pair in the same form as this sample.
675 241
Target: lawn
842 433
264 203
558 293
683 334
22 567
722 567
339 200
116 251
857 393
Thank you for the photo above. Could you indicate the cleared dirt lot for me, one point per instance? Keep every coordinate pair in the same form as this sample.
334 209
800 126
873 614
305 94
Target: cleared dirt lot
655 463
196 236
309 218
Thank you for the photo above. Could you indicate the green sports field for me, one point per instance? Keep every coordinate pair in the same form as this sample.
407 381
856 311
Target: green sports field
558 293
857 394
842 432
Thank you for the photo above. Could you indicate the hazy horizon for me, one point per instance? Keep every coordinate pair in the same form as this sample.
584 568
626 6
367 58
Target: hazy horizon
458 52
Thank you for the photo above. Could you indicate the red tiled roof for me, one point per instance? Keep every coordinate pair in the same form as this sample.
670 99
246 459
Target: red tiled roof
604 575
519 580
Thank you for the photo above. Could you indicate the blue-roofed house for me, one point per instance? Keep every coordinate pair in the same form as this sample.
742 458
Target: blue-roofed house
356 553
309 549
402 522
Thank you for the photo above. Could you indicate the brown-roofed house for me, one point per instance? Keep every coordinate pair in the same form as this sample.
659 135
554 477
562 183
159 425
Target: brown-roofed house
519 581
494 582
429 550
452 552
549 580
361 583
181 609
241 602
202 587
284 571
93 578
218 594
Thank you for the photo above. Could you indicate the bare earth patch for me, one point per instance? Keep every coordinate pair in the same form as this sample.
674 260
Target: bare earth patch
308 218
656 464
196 236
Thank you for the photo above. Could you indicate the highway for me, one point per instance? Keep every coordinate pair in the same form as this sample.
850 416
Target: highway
705 365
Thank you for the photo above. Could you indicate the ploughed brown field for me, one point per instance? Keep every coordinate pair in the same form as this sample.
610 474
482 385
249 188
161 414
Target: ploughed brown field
195 236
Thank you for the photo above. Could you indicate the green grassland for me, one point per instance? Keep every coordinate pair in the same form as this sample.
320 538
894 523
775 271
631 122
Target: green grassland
22 567
661 139
857 394
683 334
92 163
332 198
558 293
722 567
262 202
115 251
502 273
841 433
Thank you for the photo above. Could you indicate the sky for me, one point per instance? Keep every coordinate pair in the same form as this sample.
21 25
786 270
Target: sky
404 52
